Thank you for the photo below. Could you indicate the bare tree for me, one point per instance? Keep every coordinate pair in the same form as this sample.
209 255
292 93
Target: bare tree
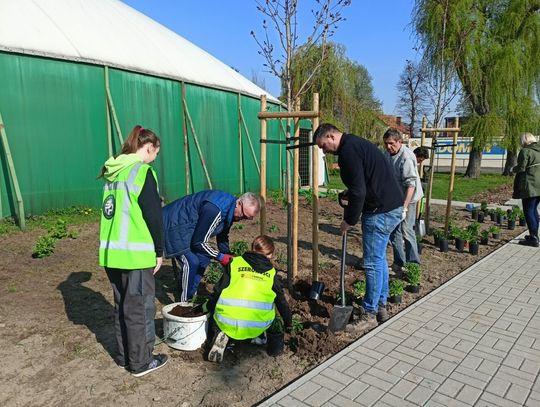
281 17
411 94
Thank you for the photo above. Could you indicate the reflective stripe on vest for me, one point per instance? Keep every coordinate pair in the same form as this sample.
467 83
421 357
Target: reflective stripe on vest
245 309
118 251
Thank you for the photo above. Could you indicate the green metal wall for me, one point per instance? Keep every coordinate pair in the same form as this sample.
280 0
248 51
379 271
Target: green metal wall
55 118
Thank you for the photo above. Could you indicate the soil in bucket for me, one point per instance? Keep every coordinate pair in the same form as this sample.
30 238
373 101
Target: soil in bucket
184 326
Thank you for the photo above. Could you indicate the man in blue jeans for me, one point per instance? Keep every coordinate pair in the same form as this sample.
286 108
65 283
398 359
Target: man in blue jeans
373 193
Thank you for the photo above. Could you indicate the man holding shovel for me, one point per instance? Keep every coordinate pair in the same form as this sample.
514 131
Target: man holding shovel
374 194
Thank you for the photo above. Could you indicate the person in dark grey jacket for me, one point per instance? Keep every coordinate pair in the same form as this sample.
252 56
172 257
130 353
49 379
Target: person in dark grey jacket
527 185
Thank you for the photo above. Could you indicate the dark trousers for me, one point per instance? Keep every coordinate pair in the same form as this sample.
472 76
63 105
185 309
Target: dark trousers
189 273
530 208
134 310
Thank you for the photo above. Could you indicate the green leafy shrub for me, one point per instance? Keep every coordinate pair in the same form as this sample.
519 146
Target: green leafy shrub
396 287
297 325
484 234
413 273
483 206
58 230
332 194
494 229
44 246
213 273
239 226
359 288
239 248
277 326
307 194
278 197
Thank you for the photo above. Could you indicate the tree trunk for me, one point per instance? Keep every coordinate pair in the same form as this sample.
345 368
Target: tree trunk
475 160
511 162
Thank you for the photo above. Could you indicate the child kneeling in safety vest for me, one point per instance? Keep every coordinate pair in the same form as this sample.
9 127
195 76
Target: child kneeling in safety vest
246 295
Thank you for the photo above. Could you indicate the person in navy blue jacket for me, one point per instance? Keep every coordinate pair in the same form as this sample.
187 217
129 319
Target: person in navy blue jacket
189 224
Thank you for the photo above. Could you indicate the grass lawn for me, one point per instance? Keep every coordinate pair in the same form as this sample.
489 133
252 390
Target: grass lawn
463 187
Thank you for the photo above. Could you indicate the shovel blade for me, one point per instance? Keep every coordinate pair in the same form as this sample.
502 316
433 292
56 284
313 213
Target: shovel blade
340 318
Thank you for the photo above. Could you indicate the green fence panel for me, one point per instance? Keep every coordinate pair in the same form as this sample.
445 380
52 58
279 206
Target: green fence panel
53 113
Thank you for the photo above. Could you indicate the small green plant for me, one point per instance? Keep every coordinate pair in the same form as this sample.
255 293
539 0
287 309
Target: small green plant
44 246
213 273
297 325
494 230
500 211
323 265
281 258
483 206
278 197
58 230
473 229
518 212
332 194
273 228
413 273
239 248
484 234
277 326
513 215
396 287
438 233
239 226
307 194
359 288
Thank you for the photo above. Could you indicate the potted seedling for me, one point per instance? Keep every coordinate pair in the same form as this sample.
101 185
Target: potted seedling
443 242
484 237
459 238
412 274
474 213
512 216
395 290
499 216
437 233
359 290
492 215
483 206
495 231
419 244
275 337
473 245
480 217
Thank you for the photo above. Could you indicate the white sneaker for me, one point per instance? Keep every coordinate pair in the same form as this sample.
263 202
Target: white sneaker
259 340
218 347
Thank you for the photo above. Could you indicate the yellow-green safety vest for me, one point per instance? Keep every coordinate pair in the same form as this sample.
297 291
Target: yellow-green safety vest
125 241
245 308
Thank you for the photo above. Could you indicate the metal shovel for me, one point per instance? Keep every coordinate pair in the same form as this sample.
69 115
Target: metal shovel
342 313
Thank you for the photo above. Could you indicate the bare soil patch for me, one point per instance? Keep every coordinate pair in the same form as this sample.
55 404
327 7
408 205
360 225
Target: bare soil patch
57 335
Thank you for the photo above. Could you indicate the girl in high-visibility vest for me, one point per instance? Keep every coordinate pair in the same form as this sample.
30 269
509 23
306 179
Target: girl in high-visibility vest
131 248
247 295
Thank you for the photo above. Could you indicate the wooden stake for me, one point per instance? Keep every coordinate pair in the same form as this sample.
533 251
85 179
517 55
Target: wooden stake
296 186
287 115
263 167
452 176
421 171
315 196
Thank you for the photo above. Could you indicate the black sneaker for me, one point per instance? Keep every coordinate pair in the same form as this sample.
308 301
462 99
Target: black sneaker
218 347
158 362
533 242
382 314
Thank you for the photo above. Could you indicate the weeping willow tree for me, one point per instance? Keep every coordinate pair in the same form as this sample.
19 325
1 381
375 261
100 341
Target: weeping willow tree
493 48
346 96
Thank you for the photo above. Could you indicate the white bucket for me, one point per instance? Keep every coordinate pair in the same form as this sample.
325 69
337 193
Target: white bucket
183 333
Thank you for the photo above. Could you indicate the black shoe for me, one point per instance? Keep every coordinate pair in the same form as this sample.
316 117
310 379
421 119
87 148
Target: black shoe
533 242
218 347
158 362
382 315
364 315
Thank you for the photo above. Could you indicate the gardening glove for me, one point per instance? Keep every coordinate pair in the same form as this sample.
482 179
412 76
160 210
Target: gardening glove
225 260
404 214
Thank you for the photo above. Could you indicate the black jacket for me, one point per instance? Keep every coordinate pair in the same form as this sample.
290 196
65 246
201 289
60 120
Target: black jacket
260 264
369 177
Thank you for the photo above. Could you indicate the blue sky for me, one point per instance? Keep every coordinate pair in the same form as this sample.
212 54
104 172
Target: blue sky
376 34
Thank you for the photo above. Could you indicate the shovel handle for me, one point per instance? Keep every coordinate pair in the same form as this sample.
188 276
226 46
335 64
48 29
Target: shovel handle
342 271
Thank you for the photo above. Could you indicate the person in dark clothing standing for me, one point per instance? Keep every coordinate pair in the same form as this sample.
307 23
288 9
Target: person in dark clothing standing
191 221
244 298
131 248
527 185
374 194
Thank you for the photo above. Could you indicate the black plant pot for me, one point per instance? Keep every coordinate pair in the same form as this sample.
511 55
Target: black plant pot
511 224
474 214
317 287
481 217
522 222
274 343
495 235
473 248
415 289
460 244
420 246
499 219
443 245
484 240
395 299
492 216
436 241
